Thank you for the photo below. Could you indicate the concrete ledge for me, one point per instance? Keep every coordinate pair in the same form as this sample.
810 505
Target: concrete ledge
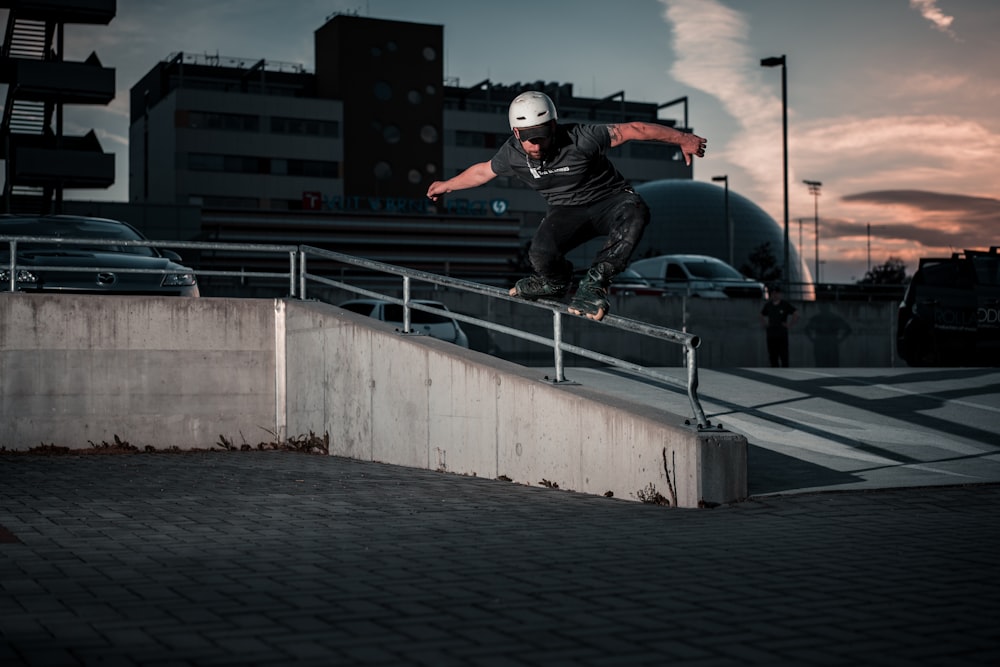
420 402
171 372
155 371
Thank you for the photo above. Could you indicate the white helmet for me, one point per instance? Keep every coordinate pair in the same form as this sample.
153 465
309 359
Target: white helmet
530 109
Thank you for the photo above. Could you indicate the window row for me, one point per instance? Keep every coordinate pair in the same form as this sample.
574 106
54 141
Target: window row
248 164
239 122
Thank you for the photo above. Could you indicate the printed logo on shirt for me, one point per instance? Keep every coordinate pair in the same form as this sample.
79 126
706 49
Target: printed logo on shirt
538 173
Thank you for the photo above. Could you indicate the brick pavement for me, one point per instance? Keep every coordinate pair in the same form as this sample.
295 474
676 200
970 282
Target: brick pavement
276 558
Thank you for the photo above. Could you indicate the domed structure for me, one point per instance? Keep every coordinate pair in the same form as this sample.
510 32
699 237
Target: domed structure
689 217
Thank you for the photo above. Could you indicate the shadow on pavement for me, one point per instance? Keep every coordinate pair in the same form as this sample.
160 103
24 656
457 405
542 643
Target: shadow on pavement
772 472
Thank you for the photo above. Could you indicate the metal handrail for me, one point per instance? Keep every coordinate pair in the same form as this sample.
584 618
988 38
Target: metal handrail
298 277
292 250
690 342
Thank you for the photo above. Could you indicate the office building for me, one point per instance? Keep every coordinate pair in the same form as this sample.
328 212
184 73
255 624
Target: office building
341 157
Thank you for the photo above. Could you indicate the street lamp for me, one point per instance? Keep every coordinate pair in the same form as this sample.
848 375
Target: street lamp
814 187
729 223
774 62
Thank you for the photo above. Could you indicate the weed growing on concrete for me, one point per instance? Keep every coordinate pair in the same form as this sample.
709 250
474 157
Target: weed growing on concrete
305 444
651 496
119 446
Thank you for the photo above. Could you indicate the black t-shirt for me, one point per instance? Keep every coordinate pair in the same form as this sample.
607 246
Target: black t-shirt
576 171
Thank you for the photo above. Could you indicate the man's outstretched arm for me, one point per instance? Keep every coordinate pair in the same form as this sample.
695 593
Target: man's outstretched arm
690 144
474 176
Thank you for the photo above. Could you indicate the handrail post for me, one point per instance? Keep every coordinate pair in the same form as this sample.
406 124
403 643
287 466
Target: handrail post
691 357
406 304
302 274
557 345
291 273
13 263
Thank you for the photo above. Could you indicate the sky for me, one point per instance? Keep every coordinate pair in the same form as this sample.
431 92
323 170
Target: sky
891 103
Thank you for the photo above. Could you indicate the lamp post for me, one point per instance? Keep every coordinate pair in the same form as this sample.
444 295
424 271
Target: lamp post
729 223
774 62
869 247
814 187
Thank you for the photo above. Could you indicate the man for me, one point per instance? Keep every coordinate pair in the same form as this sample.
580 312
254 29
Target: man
587 197
777 317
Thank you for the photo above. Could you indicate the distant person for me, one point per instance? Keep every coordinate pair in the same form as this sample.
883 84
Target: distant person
827 331
777 317
586 195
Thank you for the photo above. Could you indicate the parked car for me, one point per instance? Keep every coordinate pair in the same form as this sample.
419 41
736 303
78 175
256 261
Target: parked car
697 276
437 326
630 283
95 267
950 313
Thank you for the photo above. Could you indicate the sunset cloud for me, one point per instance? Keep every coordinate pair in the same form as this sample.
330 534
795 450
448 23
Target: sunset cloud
892 171
929 10
712 55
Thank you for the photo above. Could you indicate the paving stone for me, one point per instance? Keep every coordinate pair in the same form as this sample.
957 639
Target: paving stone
224 559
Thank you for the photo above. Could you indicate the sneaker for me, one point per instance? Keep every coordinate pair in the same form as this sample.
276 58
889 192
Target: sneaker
591 298
537 287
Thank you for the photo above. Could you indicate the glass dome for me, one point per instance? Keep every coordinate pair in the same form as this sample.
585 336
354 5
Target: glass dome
689 217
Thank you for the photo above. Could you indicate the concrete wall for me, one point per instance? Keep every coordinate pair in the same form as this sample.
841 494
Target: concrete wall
420 402
157 371
170 372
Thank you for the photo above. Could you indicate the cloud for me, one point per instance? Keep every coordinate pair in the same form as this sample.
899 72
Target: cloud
929 10
932 219
901 151
712 55
934 201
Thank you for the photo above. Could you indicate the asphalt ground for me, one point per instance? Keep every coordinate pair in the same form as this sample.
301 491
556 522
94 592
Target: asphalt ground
279 558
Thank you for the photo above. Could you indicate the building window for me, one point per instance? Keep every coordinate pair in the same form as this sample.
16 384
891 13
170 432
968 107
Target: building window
249 164
313 168
391 134
429 134
383 91
205 120
205 162
305 127
209 201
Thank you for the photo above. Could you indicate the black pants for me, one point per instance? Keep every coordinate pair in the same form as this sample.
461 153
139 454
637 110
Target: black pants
777 347
622 217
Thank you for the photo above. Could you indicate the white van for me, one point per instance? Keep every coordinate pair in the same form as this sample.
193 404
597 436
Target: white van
423 322
697 276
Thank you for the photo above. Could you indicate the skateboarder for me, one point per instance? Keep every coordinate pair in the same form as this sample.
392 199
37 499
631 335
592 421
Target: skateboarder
586 195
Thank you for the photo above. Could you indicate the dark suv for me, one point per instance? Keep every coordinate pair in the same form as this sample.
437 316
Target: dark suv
950 314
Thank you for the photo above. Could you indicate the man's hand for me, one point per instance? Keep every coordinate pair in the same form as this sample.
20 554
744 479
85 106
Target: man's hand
691 145
476 175
436 189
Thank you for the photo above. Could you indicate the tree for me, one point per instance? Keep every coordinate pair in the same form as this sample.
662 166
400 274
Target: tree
762 265
893 272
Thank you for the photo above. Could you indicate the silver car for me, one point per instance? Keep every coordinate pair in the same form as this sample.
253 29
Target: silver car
437 326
